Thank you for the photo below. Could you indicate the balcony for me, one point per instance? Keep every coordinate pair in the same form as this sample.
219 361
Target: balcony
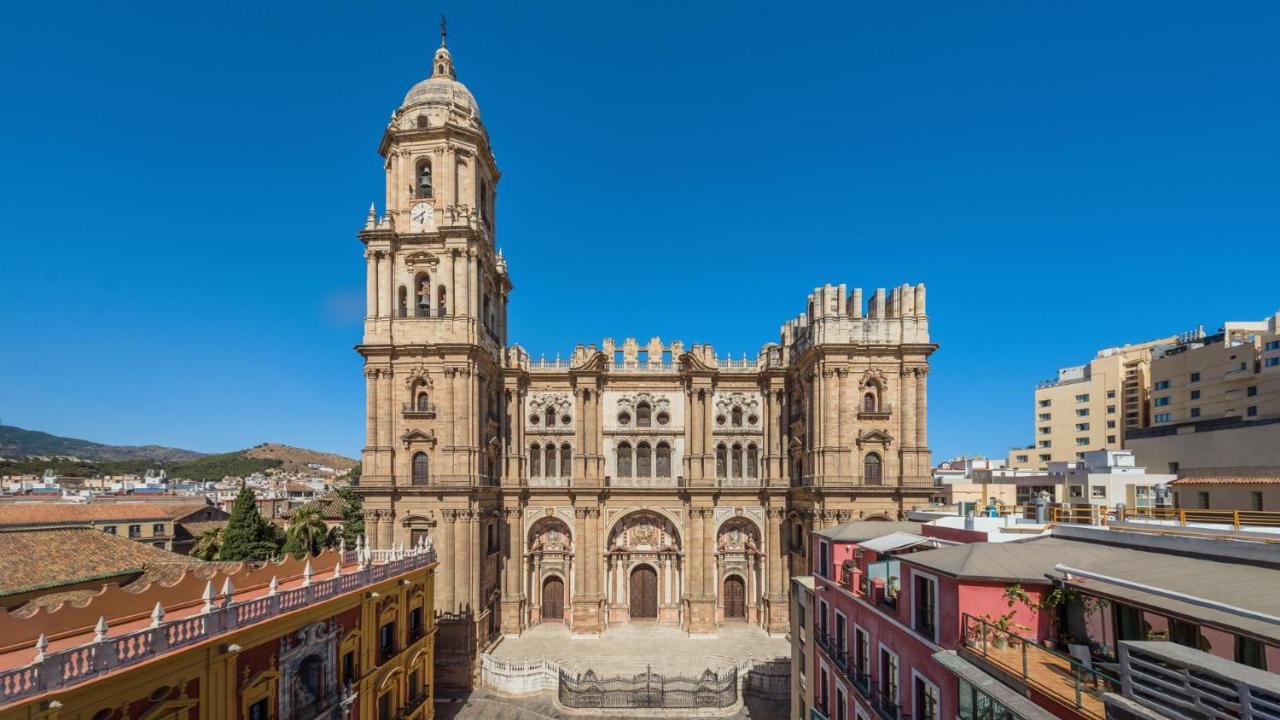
885 702
1177 681
422 312
877 413
419 410
1072 685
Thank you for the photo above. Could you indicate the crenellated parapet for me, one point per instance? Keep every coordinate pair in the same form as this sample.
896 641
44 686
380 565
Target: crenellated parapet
835 316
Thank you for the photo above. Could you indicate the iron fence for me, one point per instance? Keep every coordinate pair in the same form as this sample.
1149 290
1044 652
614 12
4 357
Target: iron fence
648 689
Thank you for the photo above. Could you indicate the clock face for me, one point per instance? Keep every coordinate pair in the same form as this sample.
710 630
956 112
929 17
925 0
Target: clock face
421 215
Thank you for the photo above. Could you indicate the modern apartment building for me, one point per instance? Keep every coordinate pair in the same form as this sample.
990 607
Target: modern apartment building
1215 400
1091 406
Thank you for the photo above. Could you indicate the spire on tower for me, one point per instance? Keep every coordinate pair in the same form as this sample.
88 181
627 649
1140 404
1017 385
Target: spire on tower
444 30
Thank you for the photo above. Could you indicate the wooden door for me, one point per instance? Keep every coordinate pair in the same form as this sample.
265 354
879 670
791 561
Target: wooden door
553 599
644 593
735 598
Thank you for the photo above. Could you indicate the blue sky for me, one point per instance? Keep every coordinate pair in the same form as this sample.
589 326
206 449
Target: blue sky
180 187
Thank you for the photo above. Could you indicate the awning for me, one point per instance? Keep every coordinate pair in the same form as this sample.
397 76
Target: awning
895 541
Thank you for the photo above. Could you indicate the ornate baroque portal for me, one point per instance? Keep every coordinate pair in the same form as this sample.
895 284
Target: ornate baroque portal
623 480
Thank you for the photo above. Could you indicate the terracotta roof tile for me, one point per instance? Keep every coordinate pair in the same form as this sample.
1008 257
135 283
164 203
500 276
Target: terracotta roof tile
35 514
55 557
1228 476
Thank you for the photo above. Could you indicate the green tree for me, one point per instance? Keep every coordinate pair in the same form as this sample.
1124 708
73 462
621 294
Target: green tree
207 547
248 535
352 516
356 472
307 533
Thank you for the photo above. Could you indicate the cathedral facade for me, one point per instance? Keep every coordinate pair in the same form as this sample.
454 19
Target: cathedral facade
652 482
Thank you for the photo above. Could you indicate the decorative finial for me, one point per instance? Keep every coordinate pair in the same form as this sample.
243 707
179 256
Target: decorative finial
100 630
208 597
157 615
274 587
42 645
306 573
444 30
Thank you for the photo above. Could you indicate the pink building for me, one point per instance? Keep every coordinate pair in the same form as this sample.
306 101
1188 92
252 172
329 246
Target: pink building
918 624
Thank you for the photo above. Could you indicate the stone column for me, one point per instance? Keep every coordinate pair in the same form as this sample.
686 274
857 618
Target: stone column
446 281
445 543
922 405
386 528
473 306
371 283
389 286
386 434
371 411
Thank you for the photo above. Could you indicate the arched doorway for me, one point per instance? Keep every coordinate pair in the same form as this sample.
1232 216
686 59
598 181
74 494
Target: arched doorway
553 598
644 593
735 598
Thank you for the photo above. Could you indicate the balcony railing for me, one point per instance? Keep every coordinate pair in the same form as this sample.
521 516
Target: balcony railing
846 664
885 702
1058 676
107 653
884 410
420 410
421 312
1236 519
1171 679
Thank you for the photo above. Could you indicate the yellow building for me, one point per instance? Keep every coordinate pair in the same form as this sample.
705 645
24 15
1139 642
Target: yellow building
343 635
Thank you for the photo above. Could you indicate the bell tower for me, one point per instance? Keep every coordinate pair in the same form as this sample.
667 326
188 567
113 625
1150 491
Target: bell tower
434 330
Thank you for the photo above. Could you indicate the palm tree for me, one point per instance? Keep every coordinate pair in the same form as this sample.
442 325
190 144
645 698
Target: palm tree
307 531
209 544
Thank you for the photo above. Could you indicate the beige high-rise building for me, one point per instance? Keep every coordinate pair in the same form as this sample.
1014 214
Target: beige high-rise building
1215 400
1090 407
635 481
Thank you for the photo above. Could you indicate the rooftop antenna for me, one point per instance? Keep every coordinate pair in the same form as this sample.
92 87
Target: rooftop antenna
444 30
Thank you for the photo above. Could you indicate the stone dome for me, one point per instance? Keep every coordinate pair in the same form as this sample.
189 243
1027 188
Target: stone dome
442 89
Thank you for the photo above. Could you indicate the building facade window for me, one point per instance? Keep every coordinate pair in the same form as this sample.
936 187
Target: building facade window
419 474
644 417
1162 385
1082 398
624 460
721 461
566 461
871 469
1162 417
644 460
1251 411
663 463
1195 377
424 178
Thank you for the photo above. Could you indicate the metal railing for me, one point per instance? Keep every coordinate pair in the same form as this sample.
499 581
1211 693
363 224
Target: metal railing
106 653
1237 519
648 689
410 408
1063 678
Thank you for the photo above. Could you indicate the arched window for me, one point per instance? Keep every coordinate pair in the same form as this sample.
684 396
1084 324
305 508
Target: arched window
869 402
484 203
424 402
550 461
721 459
871 469
737 417
624 460
403 302
551 417
424 178
422 294
736 460
644 460
419 469
753 462
664 460
566 461
443 303
643 415
535 461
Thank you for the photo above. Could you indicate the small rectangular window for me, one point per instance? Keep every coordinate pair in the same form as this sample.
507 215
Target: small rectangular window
1162 385
1251 411
1257 499
1045 403
1195 377
110 529
135 531
1082 412
349 668
157 529
1111 394
1161 401
1082 427
1162 417
1195 412
1204 500
1082 398
1082 441
1271 362
1111 409
1251 652
1195 394
1252 391
259 710
386 642
1273 345
1111 439
1111 424
1045 458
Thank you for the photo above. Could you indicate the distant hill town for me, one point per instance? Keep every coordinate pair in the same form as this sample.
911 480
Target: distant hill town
32 452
